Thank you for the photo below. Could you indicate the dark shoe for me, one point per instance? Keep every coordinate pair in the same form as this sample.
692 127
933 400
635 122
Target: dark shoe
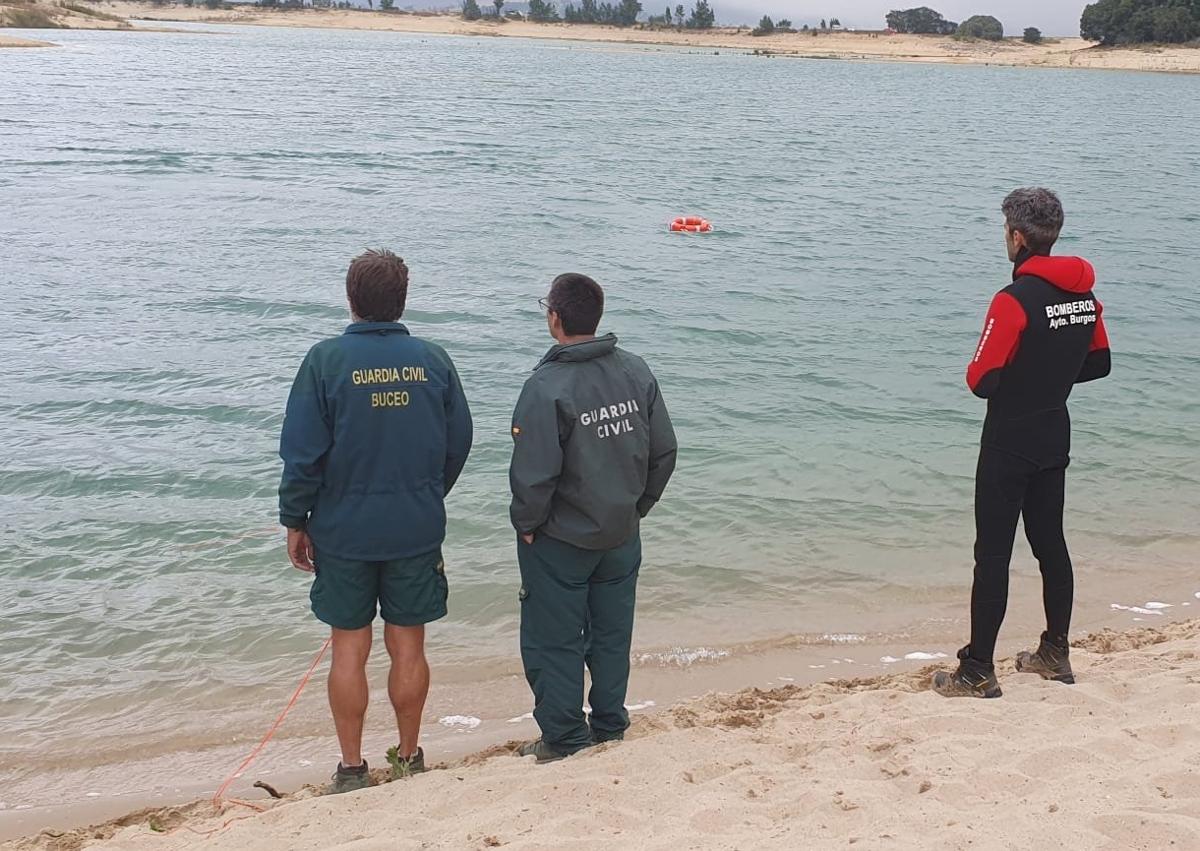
599 738
1051 661
542 751
972 679
349 779
403 768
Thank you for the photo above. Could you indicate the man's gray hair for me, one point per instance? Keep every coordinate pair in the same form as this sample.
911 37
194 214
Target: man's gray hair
1037 213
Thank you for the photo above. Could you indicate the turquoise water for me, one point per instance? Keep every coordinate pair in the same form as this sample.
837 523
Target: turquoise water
176 214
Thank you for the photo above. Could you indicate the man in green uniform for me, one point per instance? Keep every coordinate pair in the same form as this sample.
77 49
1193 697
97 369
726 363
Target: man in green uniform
376 433
593 448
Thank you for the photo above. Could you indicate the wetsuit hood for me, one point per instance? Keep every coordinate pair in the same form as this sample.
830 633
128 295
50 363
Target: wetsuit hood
1073 274
588 350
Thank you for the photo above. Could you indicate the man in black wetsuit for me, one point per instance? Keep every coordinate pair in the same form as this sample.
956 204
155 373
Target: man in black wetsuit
1043 335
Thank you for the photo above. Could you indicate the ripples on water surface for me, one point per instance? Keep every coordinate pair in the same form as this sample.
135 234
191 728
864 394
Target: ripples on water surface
176 213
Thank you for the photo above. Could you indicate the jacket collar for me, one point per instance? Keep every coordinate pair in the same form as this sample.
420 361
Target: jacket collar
577 352
1022 256
375 327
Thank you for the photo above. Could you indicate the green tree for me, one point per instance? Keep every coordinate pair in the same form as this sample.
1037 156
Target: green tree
1032 36
702 17
470 10
680 20
542 11
834 23
1136 21
667 17
765 27
824 25
387 5
1175 25
499 4
981 26
783 24
626 13
921 20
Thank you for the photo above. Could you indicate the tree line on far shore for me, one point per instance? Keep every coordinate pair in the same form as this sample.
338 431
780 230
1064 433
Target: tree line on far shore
1109 22
925 21
623 13
1106 21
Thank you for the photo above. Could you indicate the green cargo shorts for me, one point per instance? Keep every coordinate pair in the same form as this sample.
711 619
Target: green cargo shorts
407 591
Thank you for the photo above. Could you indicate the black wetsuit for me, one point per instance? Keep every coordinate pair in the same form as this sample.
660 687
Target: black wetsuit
1043 335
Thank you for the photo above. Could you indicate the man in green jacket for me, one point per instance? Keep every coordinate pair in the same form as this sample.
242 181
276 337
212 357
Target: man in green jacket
376 434
593 448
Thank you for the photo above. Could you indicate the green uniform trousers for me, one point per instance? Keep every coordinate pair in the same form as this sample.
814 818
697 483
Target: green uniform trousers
577 609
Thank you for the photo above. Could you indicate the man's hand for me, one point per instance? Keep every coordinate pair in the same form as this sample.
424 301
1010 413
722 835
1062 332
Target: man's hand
300 550
527 539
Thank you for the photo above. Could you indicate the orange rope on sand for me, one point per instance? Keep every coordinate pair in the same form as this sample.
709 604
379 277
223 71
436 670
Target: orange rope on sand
218 798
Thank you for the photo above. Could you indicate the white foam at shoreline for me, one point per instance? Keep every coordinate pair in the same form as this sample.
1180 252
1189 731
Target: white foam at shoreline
1153 605
467 722
528 716
843 638
681 656
1138 610
915 656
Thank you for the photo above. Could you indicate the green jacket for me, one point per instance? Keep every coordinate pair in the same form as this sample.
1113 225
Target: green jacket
593 446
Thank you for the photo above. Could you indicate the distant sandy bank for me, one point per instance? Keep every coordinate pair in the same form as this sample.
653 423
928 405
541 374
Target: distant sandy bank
1053 53
13 41
873 763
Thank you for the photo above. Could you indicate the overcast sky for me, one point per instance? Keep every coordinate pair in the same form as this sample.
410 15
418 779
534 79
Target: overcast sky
1053 17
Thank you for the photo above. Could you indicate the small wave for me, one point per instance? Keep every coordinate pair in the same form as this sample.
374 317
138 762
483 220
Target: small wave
843 638
681 657
464 722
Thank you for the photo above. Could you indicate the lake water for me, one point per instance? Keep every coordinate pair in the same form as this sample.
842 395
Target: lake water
176 215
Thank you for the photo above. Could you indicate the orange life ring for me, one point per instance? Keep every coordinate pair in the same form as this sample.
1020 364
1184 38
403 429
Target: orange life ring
690 224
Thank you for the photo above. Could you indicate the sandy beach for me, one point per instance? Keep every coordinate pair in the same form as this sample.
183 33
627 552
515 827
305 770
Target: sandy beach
1052 53
873 763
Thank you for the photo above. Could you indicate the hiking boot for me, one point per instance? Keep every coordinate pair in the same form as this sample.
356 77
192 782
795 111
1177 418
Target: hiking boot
972 678
402 767
1051 661
349 779
542 751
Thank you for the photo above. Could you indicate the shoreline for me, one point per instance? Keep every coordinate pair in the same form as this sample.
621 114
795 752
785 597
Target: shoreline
844 45
465 716
843 759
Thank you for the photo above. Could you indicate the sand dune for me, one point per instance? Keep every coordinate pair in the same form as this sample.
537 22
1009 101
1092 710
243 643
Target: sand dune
1113 762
